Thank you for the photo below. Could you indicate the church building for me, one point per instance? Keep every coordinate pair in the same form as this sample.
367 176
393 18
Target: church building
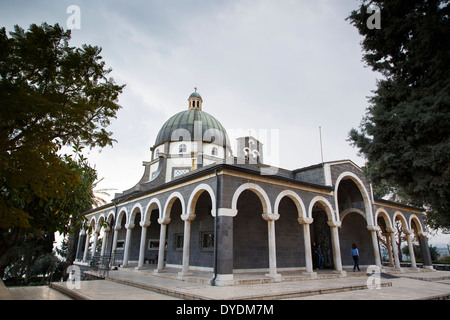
199 206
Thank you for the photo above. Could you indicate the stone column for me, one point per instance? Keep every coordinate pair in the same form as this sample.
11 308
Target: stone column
104 241
86 247
426 256
94 244
389 249
116 235
411 248
394 247
144 225
305 222
79 244
373 231
162 243
271 218
224 252
126 252
336 247
187 218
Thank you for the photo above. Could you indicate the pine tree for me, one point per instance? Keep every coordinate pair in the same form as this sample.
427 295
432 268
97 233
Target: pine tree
405 135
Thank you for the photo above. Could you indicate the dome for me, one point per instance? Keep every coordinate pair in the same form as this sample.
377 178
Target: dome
185 120
195 95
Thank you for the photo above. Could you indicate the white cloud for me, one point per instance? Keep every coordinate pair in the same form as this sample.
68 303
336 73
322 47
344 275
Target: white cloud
286 65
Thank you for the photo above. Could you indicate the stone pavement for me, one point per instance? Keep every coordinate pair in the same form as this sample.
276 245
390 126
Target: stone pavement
129 284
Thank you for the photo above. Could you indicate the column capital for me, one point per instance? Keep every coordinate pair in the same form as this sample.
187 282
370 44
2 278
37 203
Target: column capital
165 220
226 212
144 224
334 224
373 228
188 217
270 216
422 234
407 231
390 230
129 225
304 220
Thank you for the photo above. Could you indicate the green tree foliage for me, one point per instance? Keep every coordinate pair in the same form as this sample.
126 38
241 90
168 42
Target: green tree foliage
405 134
51 95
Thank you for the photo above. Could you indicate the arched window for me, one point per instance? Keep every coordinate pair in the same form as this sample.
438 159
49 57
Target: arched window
256 155
246 153
182 148
214 151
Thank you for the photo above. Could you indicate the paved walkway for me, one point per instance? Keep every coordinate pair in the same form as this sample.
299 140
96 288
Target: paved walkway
37 293
137 285
144 285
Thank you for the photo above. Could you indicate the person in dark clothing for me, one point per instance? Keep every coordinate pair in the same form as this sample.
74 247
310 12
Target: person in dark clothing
320 256
315 256
355 255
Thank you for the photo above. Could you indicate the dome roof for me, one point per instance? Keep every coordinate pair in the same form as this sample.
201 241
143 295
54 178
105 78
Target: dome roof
185 120
195 95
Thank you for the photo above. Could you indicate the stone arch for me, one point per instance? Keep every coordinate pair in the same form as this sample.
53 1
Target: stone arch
349 210
381 213
170 201
250 230
123 211
154 203
365 195
290 245
328 208
354 230
137 208
196 193
100 221
295 198
402 218
258 190
92 222
414 221
110 218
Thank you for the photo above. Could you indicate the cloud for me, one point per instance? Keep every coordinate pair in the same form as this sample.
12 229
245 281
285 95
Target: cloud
286 65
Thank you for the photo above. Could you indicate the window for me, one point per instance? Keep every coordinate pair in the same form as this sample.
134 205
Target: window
179 172
207 241
120 245
153 244
179 240
246 153
214 151
156 153
182 148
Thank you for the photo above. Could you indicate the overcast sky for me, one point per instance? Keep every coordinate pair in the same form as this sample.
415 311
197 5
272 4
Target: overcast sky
278 68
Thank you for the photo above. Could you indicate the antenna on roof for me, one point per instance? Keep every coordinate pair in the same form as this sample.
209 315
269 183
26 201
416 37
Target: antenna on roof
321 150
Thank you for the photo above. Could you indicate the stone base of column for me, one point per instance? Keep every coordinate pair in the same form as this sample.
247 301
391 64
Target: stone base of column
140 268
312 275
156 271
182 274
342 273
429 268
275 276
223 280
